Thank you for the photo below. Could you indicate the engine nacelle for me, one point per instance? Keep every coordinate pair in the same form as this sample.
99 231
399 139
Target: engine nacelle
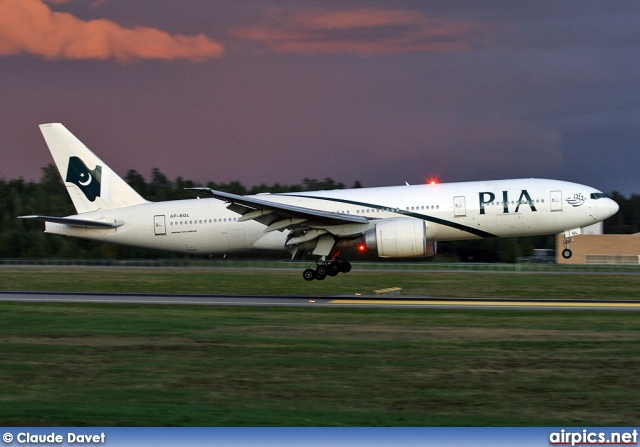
401 238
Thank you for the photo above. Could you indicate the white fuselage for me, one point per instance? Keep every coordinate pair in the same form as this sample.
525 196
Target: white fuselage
454 211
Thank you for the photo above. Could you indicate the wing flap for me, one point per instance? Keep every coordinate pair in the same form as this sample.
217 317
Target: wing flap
280 225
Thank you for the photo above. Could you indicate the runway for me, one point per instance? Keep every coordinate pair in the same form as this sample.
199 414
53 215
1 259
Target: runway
326 301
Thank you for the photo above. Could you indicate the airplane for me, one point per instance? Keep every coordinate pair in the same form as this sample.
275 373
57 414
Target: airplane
396 221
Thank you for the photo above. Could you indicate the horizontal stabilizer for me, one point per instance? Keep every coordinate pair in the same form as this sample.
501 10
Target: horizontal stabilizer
80 223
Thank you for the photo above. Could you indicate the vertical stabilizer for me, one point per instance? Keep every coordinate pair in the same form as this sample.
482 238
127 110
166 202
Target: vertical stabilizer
91 184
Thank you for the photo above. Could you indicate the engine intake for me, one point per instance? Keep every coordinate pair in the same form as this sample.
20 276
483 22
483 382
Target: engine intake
401 238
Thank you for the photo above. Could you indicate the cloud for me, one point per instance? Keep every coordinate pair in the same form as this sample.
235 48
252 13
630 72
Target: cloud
30 26
365 32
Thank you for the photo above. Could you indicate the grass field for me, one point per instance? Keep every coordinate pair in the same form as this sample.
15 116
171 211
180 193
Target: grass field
87 364
290 282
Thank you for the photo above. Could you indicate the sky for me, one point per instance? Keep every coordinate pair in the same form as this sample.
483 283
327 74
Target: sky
373 91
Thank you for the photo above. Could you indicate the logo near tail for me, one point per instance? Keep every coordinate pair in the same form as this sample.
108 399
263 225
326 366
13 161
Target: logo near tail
84 178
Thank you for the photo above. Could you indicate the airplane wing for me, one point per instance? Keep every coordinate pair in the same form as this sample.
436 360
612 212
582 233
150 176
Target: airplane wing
253 208
279 216
80 223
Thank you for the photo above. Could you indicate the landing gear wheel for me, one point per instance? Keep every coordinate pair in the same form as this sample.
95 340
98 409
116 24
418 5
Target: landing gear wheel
321 270
309 274
566 253
326 268
333 269
345 267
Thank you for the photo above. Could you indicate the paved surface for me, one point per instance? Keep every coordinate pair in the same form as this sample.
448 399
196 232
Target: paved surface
369 301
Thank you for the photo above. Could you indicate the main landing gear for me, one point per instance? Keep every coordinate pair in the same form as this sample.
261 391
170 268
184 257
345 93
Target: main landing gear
326 268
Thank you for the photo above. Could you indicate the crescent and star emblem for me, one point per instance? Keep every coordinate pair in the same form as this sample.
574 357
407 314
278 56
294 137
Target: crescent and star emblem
86 182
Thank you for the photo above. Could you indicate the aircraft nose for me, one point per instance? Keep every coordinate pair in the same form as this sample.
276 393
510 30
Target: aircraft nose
605 208
613 207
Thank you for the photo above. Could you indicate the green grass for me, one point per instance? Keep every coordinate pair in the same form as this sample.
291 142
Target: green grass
279 282
227 366
98 364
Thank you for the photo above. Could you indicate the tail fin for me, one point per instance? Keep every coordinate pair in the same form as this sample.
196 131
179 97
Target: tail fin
91 184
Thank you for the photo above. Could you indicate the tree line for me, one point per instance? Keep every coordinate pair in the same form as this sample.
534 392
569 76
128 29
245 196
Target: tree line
21 238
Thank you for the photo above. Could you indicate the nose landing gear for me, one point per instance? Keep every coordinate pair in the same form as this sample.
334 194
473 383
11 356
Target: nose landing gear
566 253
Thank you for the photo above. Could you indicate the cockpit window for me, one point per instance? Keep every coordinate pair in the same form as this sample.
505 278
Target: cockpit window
598 195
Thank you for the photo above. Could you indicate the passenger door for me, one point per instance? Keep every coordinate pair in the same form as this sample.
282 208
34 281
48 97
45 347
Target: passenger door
556 200
159 226
459 206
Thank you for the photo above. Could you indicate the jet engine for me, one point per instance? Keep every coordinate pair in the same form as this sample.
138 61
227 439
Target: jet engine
401 238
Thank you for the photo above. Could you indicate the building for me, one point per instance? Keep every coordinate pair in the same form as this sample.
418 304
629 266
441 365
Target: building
601 249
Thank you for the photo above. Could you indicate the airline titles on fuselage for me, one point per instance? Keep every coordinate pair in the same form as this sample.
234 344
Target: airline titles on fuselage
488 198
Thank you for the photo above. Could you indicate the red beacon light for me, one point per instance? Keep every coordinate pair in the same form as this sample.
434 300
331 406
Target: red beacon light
432 181
362 248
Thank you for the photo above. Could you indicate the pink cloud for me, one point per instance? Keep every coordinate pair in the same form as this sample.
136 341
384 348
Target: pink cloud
30 26
365 31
